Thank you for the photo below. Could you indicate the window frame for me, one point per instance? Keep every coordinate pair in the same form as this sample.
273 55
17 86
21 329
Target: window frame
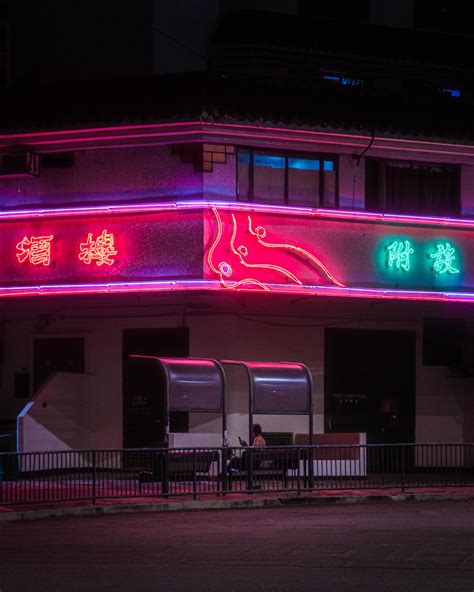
286 154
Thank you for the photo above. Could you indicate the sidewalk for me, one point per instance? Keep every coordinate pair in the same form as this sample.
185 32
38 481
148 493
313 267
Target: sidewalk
83 508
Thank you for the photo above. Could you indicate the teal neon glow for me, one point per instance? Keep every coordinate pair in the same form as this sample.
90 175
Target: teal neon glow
444 258
399 253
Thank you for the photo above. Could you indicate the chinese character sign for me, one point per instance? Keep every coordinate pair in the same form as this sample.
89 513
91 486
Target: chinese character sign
100 249
399 255
444 259
436 259
35 250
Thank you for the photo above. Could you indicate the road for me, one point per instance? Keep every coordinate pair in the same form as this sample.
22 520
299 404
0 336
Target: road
390 547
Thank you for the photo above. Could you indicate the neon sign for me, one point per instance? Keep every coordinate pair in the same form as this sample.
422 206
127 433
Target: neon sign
270 262
235 247
101 249
35 250
440 258
444 258
399 255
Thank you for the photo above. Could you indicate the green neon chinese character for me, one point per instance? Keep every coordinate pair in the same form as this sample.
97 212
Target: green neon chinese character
444 258
399 255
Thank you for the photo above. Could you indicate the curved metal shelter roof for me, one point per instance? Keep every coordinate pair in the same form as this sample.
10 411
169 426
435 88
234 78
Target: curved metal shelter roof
195 385
278 388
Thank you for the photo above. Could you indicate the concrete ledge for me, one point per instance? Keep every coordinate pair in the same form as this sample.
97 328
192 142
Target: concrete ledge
12 514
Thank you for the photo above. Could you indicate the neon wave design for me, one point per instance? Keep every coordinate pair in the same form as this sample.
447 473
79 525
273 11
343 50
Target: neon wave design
260 233
242 252
225 270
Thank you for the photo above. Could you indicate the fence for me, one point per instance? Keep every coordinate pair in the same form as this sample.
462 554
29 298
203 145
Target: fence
98 474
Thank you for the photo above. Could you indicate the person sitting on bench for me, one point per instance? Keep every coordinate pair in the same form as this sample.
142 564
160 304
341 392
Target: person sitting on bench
237 464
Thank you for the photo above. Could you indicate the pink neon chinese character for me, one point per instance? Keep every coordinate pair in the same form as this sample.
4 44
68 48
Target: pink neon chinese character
36 250
100 250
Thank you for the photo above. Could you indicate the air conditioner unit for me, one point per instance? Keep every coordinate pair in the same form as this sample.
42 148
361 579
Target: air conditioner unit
22 163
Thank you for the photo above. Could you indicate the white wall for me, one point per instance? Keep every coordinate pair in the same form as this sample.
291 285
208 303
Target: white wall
444 406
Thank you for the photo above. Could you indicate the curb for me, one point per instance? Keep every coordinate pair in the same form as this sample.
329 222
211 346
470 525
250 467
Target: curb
195 505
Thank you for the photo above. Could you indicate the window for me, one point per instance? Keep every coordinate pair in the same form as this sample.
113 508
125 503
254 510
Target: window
286 178
412 188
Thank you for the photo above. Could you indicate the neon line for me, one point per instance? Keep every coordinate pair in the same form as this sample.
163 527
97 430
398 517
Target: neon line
299 250
282 270
216 286
244 281
87 130
150 208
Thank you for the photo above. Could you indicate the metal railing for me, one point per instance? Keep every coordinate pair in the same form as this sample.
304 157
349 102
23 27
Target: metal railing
33 477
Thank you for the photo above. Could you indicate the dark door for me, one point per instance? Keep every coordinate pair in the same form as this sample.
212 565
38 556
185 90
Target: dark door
56 354
370 383
144 389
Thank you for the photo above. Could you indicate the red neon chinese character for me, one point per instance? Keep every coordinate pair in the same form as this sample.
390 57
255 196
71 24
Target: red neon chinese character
36 249
99 250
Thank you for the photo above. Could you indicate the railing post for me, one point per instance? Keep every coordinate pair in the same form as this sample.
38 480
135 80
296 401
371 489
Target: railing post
94 471
224 476
194 473
165 469
298 469
402 448
249 469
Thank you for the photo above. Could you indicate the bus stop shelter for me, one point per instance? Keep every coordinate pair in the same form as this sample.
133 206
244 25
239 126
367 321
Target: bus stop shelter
193 385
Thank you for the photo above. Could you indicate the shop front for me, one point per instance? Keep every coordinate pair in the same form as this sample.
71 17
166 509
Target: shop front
352 295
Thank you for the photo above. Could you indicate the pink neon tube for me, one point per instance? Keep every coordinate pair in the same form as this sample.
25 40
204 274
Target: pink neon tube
215 286
347 215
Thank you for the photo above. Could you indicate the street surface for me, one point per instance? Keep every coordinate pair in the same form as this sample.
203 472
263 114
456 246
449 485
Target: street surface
424 546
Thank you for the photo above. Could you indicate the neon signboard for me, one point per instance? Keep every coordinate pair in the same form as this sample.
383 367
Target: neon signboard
235 246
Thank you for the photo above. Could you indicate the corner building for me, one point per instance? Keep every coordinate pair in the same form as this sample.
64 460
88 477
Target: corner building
239 218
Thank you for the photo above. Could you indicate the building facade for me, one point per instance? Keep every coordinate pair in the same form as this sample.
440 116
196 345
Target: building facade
308 213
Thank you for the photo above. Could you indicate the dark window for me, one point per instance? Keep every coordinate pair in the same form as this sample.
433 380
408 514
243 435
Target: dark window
412 188
287 178
443 341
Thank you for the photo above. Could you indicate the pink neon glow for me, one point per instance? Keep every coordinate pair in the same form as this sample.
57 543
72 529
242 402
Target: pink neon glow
101 249
36 250
286 253
204 285
237 235
260 233
242 252
224 269
179 361
348 215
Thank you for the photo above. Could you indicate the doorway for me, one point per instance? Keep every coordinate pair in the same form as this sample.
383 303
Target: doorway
143 404
369 383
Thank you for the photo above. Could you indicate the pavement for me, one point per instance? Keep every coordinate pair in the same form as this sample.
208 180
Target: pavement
128 505
422 546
